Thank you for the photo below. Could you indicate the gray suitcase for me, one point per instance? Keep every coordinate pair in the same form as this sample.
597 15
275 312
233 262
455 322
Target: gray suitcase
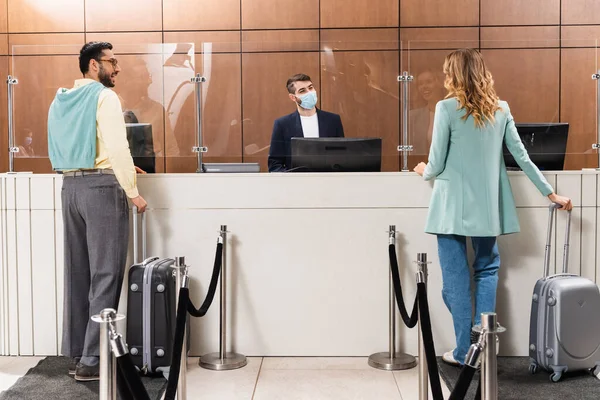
564 327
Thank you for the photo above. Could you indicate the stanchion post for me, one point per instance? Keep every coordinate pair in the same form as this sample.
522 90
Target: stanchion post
489 328
391 360
423 377
108 363
180 270
199 149
223 360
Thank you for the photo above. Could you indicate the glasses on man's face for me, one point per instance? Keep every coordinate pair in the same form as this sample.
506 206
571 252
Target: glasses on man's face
113 61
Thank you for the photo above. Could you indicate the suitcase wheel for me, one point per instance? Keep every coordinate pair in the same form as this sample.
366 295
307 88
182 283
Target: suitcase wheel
533 368
555 376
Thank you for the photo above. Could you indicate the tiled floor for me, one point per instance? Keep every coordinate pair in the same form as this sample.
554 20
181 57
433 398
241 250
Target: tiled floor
273 378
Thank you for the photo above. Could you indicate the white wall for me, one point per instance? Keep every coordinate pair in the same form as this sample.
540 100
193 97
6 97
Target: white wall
307 257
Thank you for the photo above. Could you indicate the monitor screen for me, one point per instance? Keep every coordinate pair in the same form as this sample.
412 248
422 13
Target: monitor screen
546 145
139 136
336 154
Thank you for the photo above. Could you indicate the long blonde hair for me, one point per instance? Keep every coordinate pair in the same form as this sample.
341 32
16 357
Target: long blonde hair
468 79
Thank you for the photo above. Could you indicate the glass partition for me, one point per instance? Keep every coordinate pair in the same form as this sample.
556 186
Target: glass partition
243 93
542 83
153 85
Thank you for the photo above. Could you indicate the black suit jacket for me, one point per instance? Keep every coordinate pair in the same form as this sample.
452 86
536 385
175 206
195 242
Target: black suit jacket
289 126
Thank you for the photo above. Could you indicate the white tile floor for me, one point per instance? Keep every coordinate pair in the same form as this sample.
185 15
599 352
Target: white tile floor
273 378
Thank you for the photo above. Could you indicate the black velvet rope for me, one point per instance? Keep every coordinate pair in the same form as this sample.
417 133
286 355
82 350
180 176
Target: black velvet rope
184 298
434 377
122 388
463 383
185 305
212 288
409 321
132 378
478 393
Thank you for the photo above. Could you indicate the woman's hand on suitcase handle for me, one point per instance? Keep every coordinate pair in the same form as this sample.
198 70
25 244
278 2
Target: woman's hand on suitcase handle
140 203
564 202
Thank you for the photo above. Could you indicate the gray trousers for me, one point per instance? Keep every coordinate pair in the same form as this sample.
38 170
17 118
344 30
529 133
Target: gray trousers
96 233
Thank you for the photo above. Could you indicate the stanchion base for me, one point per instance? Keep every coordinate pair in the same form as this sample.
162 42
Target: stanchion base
231 361
400 361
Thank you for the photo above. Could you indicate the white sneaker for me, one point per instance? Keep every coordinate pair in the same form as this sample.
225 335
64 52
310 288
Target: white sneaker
448 358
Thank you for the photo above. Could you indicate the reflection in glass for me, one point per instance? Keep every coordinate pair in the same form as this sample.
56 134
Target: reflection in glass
25 143
430 90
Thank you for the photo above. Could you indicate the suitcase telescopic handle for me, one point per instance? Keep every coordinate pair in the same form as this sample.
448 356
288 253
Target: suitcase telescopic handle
551 212
136 235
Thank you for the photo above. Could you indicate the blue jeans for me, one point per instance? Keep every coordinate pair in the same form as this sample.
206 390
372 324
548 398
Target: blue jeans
456 291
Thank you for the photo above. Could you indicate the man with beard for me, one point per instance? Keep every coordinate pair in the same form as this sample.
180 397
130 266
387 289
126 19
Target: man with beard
87 142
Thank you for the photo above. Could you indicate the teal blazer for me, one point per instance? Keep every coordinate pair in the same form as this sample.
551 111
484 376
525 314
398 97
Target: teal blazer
471 193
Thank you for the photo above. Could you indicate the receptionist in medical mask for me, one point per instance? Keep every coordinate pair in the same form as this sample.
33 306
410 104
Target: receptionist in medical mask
307 121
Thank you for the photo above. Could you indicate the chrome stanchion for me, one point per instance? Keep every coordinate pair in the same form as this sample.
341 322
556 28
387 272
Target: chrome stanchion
108 363
596 146
199 149
12 149
489 328
422 275
391 360
223 360
180 270
405 148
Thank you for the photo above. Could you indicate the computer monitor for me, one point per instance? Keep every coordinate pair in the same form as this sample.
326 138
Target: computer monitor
336 155
141 145
546 144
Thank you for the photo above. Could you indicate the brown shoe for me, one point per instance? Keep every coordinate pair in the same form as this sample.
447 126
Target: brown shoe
85 373
73 365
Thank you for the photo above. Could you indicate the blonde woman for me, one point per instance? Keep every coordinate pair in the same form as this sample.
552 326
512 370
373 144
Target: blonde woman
472 194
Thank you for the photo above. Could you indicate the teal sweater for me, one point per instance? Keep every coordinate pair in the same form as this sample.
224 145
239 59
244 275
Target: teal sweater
72 127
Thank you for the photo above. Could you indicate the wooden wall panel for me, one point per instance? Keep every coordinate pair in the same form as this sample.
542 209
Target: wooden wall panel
118 15
359 39
32 97
520 12
209 15
127 42
580 12
578 106
362 88
439 13
49 43
3 44
269 41
279 14
264 96
215 41
520 37
359 13
221 114
439 38
45 16
3 16
532 93
3 114
580 36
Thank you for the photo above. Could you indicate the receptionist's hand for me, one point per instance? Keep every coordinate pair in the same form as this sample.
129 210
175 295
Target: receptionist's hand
420 168
139 170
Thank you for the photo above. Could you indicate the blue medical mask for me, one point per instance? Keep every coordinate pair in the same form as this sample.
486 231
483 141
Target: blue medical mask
28 141
308 100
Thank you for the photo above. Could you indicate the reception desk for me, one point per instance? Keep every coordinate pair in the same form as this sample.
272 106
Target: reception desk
307 257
